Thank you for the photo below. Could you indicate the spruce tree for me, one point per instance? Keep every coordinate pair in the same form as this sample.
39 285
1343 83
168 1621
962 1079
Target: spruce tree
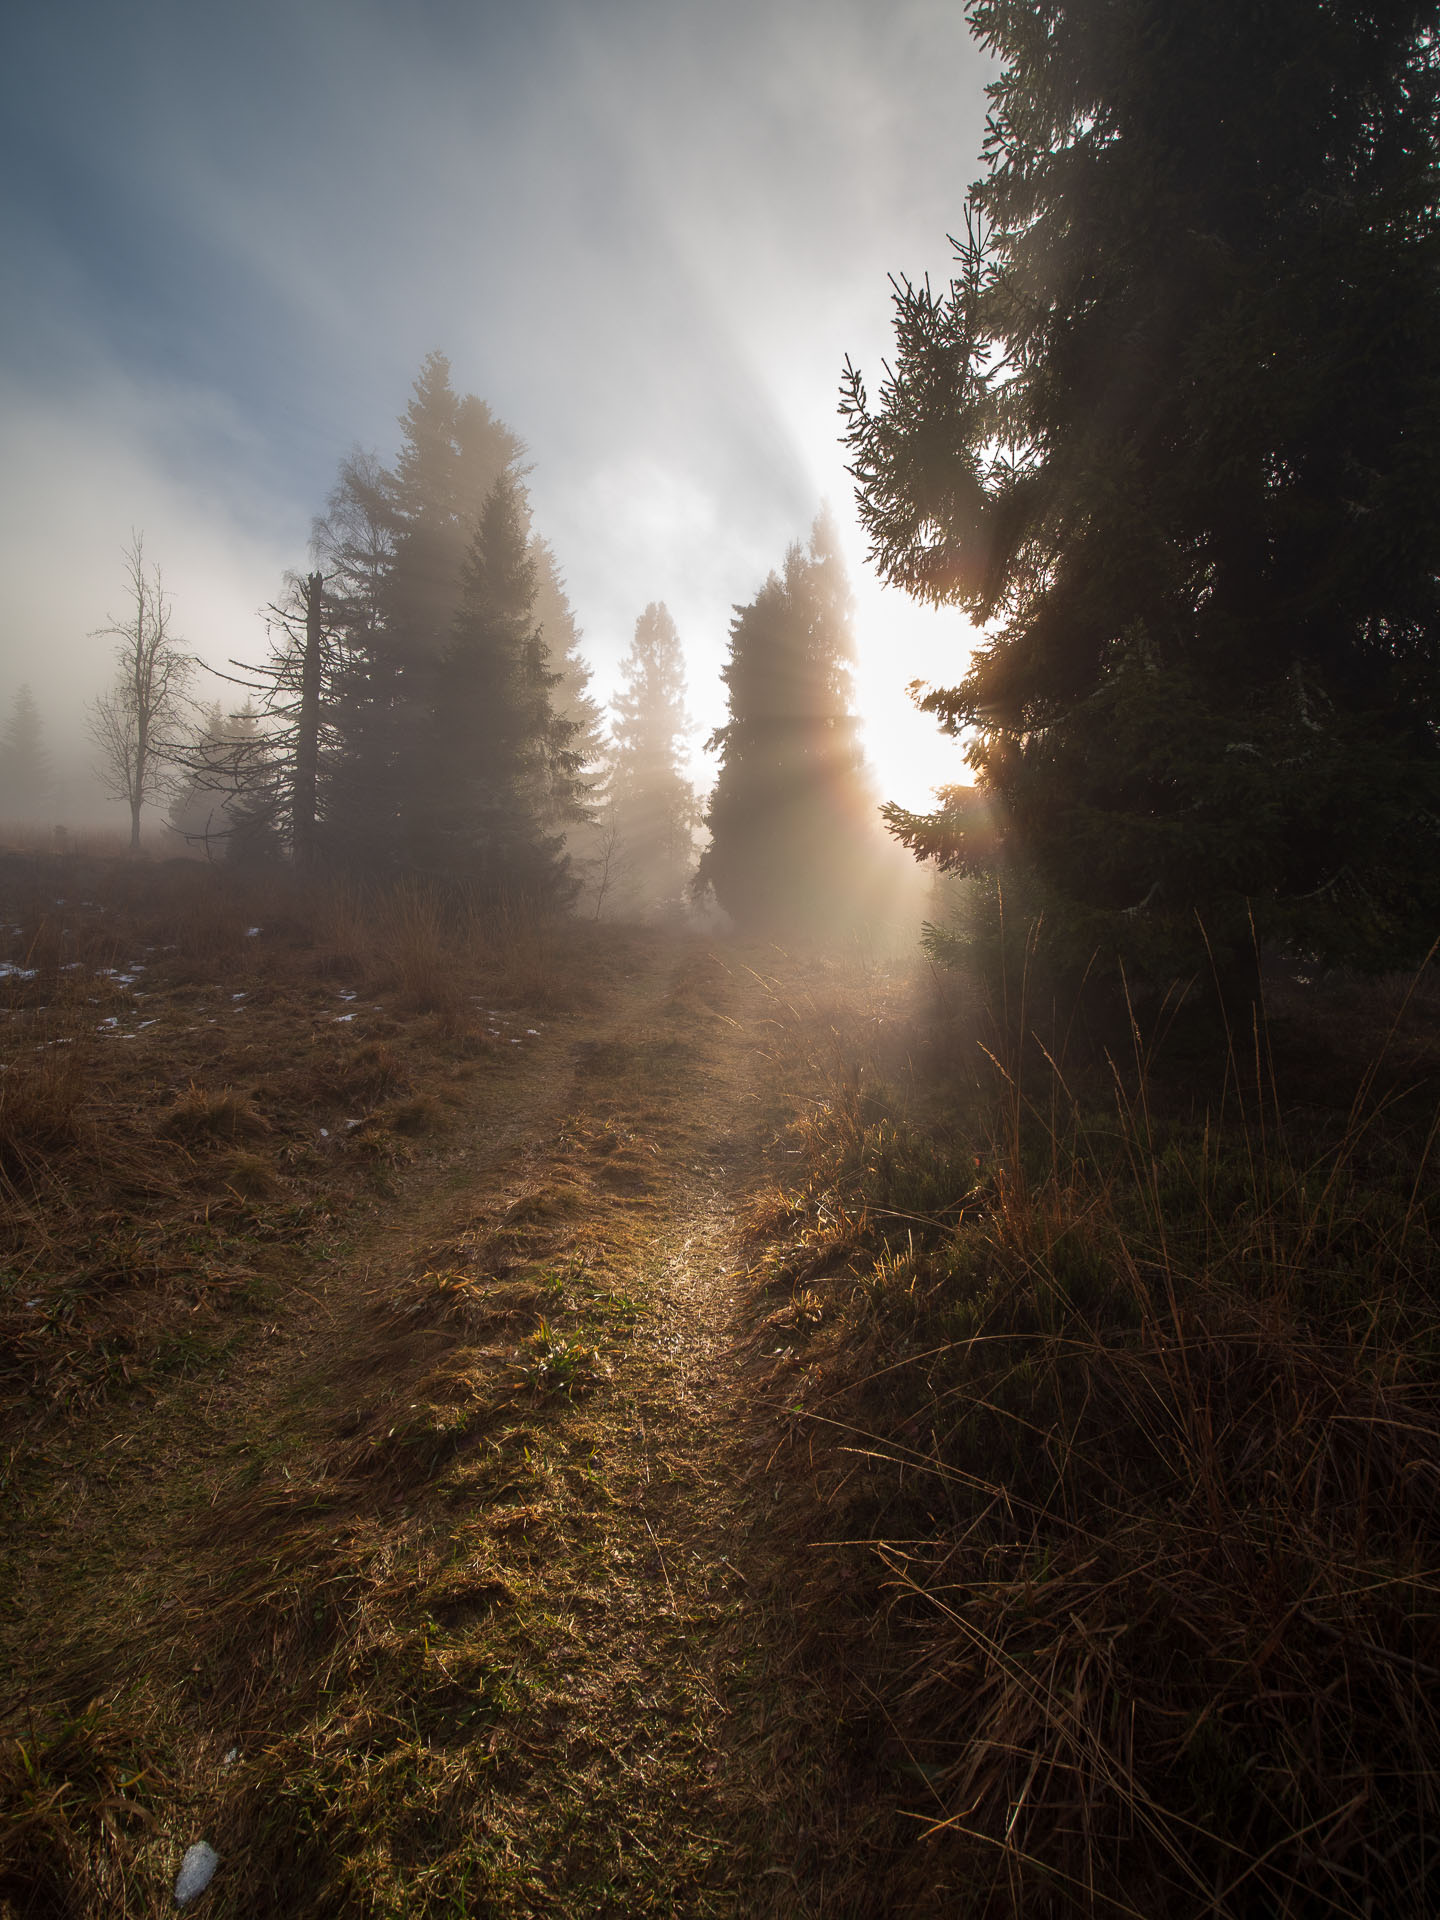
452 453
396 548
199 811
27 777
360 778
1170 432
572 703
501 776
790 819
651 807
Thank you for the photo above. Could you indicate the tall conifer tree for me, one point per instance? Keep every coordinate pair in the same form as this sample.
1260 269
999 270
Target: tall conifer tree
791 815
27 776
501 777
354 543
572 703
452 453
1171 432
398 549
651 805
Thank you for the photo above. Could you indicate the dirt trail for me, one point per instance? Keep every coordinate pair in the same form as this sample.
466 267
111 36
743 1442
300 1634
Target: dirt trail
461 1587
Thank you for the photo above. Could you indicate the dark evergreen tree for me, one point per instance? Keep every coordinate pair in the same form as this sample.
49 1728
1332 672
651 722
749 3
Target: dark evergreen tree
572 699
651 811
791 816
395 548
27 776
572 703
1171 430
213 776
502 775
359 801
452 453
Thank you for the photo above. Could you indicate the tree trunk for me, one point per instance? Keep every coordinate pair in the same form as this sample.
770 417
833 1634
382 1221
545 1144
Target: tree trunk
307 740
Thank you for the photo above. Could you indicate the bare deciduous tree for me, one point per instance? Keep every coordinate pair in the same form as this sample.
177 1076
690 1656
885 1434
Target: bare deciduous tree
134 724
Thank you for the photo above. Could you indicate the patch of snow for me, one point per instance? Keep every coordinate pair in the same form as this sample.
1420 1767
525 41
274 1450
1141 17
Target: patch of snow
197 1870
344 1016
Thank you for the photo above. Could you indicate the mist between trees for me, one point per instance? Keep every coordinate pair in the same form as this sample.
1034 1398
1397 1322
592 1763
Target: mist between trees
423 709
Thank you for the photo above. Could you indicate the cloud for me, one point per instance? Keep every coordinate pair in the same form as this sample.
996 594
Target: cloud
646 232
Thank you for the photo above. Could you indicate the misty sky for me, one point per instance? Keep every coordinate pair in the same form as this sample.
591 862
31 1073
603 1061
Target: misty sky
646 231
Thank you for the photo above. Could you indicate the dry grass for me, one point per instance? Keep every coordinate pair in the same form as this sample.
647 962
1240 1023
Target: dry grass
156 1018
200 1115
1140 1398
398 1647
39 1100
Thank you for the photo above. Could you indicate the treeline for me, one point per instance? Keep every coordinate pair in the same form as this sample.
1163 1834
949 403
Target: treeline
424 709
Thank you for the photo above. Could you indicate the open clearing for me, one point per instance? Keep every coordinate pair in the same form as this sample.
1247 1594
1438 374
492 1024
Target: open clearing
390 1481
536 1419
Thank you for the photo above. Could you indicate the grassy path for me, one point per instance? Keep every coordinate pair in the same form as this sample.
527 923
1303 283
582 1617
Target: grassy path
459 1585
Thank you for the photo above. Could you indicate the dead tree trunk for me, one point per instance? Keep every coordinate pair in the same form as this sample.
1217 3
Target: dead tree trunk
307 733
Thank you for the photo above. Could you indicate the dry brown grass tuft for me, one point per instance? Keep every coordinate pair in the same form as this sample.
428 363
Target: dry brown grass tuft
423 1114
80 1792
198 1114
252 1177
1144 1400
40 1097
416 942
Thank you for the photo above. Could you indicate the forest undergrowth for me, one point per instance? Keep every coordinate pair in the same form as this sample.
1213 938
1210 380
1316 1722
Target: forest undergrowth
1127 1330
